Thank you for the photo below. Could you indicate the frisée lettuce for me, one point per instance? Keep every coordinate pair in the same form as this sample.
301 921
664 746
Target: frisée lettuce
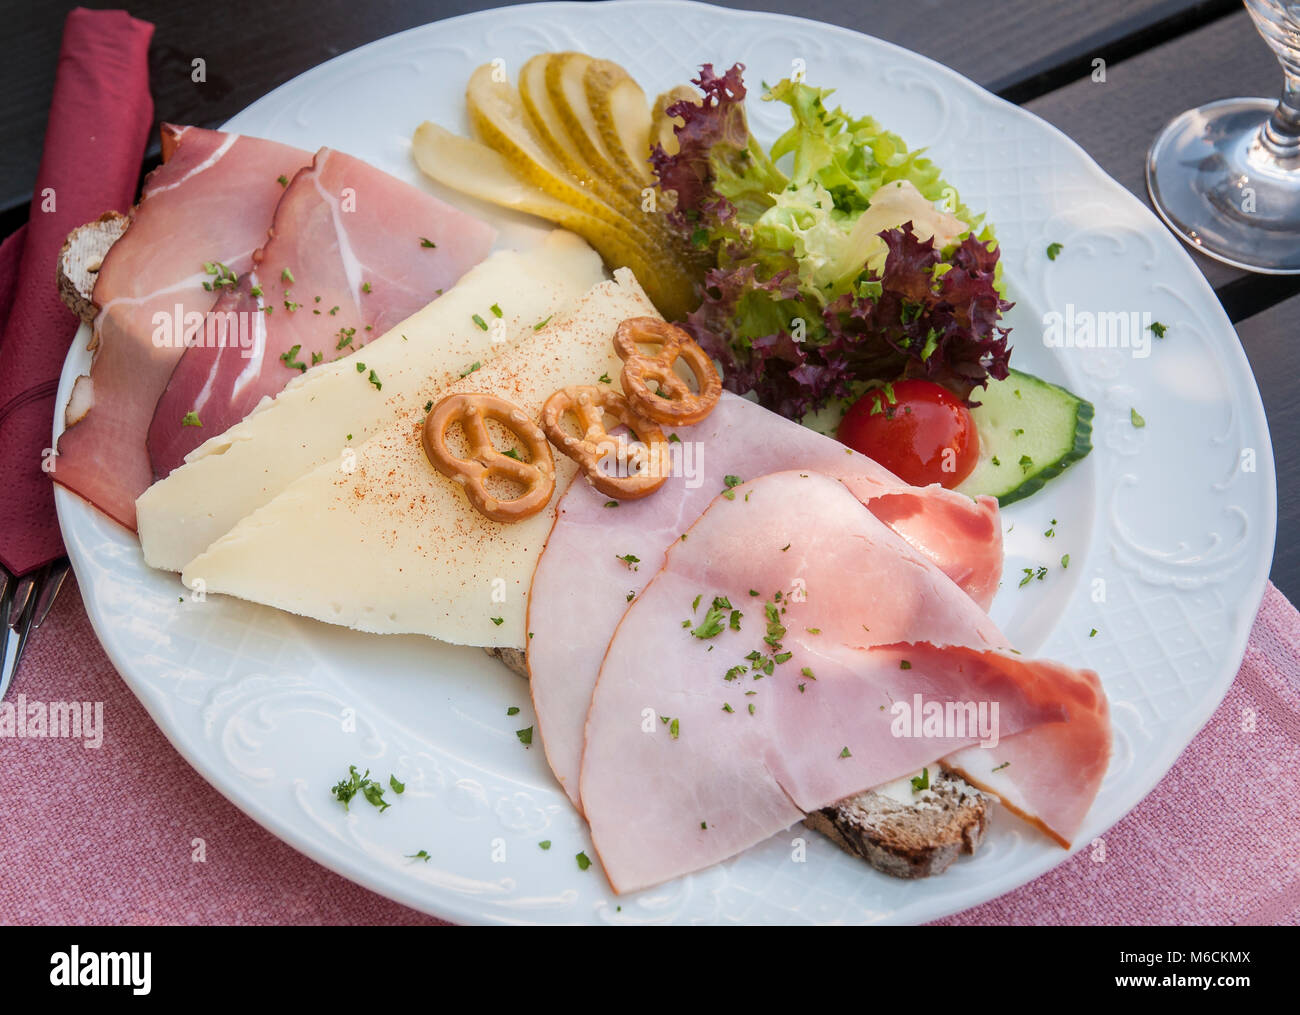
857 266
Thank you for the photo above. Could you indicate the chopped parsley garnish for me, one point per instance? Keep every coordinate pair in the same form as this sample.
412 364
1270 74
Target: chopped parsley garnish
498 620
496 309
1065 561
428 405
361 368
674 439
904 664
730 482
290 359
1053 250
631 596
922 781
374 379
422 855
366 287
735 672
995 461
345 337
728 708
751 708
845 753
426 242
191 418
630 560
398 787
471 368
1026 463
512 710
356 783
286 275
807 672
604 379
542 324
1092 633
512 453
525 736
224 277
611 503
1158 329
1136 419
675 729
282 180
478 319
1002 766
713 624
584 861
545 844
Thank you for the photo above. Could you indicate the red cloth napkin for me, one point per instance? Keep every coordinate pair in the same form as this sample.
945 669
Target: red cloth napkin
1217 842
99 122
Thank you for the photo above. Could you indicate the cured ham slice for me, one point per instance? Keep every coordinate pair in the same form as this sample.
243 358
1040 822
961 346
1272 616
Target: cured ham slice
352 252
581 584
210 201
695 751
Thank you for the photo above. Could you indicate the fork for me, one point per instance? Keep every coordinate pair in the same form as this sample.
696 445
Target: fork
24 604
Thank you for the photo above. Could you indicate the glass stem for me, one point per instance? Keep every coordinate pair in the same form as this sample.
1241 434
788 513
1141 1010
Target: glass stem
1281 134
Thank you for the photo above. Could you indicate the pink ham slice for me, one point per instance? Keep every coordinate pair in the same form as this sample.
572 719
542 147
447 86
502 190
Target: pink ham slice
212 200
352 252
823 723
580 587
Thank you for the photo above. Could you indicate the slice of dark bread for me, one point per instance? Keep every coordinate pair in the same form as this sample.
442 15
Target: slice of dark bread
80 260
908 840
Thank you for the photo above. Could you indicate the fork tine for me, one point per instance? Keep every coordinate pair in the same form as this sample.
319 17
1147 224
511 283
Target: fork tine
23 589
6 649
56 573
22 600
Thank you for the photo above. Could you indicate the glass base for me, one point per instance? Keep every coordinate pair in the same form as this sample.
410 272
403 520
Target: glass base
1216 185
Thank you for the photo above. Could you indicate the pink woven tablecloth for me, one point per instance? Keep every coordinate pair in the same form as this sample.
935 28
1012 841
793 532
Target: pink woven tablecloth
103 836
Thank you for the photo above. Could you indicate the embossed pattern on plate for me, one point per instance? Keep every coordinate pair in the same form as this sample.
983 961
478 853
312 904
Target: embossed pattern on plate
1174 521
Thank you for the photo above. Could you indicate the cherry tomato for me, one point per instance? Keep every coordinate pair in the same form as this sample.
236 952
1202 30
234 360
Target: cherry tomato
925 436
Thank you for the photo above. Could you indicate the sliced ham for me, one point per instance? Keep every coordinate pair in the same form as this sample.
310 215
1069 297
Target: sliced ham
679 774
580 588
352 252
212 200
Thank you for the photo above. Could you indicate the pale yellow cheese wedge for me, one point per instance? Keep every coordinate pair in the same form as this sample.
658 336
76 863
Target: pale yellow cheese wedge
393 546
331 410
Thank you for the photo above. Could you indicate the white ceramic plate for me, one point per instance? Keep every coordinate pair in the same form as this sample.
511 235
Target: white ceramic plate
1169 528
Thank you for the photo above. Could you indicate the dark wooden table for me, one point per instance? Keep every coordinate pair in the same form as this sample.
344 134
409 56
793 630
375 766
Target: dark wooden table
1162 57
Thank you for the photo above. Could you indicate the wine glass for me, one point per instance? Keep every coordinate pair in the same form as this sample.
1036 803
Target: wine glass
1226 176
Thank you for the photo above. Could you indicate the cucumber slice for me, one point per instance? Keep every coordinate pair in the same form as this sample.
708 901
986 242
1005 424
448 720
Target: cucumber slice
1030 432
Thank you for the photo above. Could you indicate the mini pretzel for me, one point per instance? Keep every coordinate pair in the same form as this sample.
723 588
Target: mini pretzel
682 406
472 412
590 404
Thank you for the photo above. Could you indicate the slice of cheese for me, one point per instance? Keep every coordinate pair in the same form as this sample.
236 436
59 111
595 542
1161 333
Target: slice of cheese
328 412
392 546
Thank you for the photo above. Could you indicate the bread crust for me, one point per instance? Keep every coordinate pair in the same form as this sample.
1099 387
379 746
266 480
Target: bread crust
80 259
